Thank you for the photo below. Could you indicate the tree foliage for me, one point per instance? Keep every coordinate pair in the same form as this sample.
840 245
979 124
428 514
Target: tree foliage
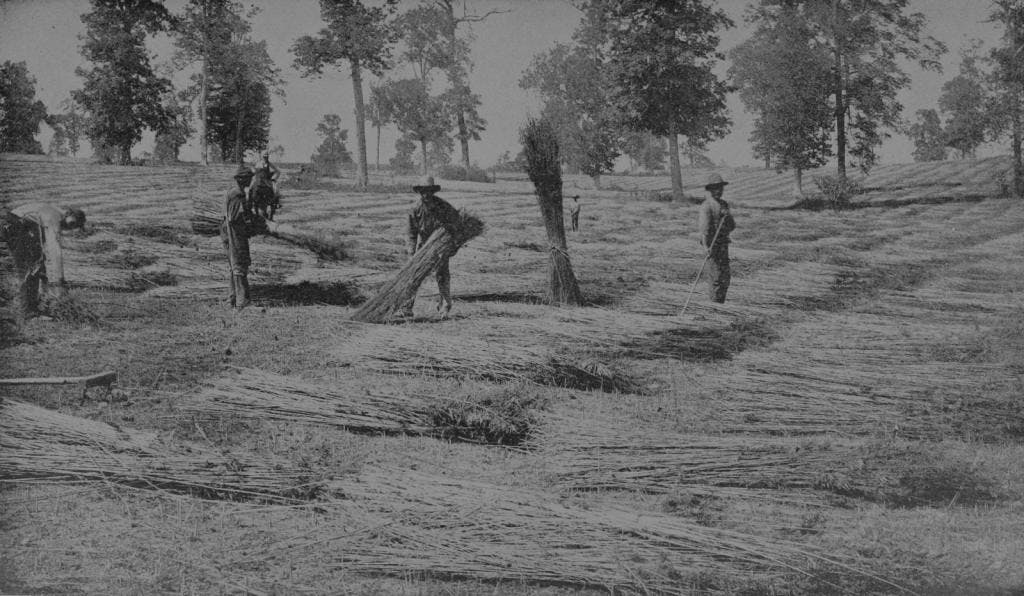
783 75
1006 107
359 36
20 112
332 155
963 101
417 114
242 83
867 39
661 59
204 33
121 93
573 84
928 136
68 129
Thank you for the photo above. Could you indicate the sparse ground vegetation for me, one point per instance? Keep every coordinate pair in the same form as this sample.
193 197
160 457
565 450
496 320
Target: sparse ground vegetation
849 421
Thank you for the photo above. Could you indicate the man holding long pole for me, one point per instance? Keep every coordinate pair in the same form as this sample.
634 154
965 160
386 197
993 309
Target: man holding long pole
714 224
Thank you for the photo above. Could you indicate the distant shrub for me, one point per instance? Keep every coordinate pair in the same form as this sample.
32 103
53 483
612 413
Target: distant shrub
454 172
835 193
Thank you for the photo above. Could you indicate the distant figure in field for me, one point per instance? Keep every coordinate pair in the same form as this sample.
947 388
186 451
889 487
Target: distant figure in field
238 225
262 193
714 225
574 213
431 213
32 233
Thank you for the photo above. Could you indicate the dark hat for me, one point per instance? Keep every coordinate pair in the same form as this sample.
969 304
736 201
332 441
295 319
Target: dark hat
426 183
243 173
714 181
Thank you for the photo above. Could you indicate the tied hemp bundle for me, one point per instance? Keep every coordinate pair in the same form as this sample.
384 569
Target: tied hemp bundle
207 215
442 244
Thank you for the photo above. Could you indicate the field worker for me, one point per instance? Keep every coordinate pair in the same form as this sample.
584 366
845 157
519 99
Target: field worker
431 213
574 213
262 190
32 233
714 225
235 229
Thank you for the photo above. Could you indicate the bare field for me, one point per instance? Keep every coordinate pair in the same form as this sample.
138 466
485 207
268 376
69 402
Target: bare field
851 421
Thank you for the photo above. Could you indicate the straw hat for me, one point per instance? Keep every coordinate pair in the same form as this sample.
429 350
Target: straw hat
426 183
714 181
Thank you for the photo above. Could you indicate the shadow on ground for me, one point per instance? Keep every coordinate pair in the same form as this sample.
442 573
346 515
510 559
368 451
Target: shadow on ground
307 294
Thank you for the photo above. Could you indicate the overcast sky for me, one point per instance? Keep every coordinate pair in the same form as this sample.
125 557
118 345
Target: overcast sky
44 34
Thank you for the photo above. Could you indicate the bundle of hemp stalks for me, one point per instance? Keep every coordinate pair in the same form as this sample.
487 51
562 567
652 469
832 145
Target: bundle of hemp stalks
442 244
207 216
40 444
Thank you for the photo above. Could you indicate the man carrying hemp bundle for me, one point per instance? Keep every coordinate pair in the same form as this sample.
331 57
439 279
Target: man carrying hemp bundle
714 224
238 225
431 213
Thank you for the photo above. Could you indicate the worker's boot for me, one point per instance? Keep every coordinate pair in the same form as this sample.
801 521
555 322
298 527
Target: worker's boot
242 287
444 300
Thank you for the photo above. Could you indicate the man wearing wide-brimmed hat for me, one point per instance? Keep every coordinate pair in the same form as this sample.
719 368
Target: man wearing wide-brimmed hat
238 225
33 232
429 214
714 225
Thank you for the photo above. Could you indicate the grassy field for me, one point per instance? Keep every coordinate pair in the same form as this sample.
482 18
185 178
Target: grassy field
850 421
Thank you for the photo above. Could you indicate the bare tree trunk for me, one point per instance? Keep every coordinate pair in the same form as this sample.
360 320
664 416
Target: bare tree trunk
362 178
463 140
238 139
673 161
798 182
840 107
204 148
424 168
378 149
1015 141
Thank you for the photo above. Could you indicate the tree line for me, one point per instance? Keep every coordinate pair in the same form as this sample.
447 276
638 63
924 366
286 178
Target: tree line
639 78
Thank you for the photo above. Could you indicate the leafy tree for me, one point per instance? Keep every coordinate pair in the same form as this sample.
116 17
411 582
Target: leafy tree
358 35
963 100
204 34
173 134
20 111
661 60
866 40
1007 105
242 82
402 162
430 43
928 136
572 82
69 128
462 101
121 93
783 76
418 115
332 154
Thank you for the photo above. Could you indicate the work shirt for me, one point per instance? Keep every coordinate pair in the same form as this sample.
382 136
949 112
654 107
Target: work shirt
426 217
712 213
264 175
49 219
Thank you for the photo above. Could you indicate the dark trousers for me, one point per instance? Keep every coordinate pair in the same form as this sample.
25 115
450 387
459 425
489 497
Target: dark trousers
25 243
718 273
